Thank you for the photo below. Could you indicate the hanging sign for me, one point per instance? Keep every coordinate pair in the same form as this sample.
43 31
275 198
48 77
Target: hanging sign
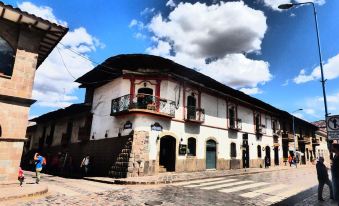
156 127
128 125
182 149
332 123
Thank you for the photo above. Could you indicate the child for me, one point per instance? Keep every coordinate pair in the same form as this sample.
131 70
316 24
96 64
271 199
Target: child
21 176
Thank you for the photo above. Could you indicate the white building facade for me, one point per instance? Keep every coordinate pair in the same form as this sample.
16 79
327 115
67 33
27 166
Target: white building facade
181 120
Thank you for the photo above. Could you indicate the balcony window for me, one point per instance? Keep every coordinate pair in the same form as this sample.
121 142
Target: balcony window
191 146
191 107
233 150
145 98
6 58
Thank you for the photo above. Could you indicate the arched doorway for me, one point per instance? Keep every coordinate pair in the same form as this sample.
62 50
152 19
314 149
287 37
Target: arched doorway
276 155
211 154
268 154
167 153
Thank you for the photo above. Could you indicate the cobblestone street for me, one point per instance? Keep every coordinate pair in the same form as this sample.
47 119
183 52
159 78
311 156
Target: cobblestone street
254 189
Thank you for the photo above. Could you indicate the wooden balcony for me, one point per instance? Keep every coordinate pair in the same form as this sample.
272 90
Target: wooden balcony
193 114
261 129
143 103
235 124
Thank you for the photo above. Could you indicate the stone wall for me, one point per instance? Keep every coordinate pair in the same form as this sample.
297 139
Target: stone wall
16 91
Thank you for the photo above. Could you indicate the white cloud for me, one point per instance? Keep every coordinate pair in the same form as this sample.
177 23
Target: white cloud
251 91
53 85
285 83
331 71
216 49
275 3
147 11
171 3
44 12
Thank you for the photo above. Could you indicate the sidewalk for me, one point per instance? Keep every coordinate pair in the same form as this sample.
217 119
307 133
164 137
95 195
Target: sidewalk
170 177
14 191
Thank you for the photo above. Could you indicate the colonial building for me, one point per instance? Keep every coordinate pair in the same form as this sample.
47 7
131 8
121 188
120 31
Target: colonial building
25 42
150 115
320 148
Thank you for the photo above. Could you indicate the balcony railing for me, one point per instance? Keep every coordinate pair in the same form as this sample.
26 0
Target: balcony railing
194 114
261 129
143 102
235 124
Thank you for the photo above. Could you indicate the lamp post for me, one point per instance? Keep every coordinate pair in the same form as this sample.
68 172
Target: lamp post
323 81
294 136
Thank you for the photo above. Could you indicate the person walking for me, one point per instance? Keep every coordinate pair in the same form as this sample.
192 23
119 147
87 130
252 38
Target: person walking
290 160
335 171
323 179
21 176
38 166
85 163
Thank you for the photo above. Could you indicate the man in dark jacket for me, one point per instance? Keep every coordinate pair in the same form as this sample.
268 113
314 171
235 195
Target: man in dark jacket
323 179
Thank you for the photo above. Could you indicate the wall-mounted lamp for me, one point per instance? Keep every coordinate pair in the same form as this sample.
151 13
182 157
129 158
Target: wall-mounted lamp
158 138
181 140
106 134
93 135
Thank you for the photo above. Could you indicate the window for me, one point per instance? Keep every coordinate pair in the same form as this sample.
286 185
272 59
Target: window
191 107
233 150
191 145
259 151
6 58
231 112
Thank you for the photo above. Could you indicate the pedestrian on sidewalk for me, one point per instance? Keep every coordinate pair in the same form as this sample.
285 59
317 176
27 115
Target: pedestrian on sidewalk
38 166
85 164
335 171
290 160
21 176
323 179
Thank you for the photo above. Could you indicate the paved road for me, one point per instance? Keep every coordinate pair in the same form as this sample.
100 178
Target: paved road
255 189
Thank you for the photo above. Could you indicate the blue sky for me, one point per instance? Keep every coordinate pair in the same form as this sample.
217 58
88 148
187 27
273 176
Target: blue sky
256 48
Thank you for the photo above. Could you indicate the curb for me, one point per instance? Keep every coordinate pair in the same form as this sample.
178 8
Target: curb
127 182
33 194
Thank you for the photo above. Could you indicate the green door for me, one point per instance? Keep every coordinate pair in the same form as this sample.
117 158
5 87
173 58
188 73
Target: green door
211 154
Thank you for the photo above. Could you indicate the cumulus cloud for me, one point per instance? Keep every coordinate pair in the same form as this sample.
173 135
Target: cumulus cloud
41 11
170 3
251 91
314 106
214 40
331 71
275 3
54 86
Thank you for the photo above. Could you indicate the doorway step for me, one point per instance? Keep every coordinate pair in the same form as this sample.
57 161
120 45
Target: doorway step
162 169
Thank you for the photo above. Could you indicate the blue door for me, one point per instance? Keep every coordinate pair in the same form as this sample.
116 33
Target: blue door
211 154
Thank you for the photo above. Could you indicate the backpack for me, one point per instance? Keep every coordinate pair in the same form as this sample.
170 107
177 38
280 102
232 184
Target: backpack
44 162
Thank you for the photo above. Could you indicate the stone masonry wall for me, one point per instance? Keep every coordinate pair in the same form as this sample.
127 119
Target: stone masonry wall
14 115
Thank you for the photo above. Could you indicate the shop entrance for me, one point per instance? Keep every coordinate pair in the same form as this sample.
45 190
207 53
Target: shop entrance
167 153
211 154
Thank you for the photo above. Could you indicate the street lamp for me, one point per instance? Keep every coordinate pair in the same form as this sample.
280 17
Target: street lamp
323 81
295 145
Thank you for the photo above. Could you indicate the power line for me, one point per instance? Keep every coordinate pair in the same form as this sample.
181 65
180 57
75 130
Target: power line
63 62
